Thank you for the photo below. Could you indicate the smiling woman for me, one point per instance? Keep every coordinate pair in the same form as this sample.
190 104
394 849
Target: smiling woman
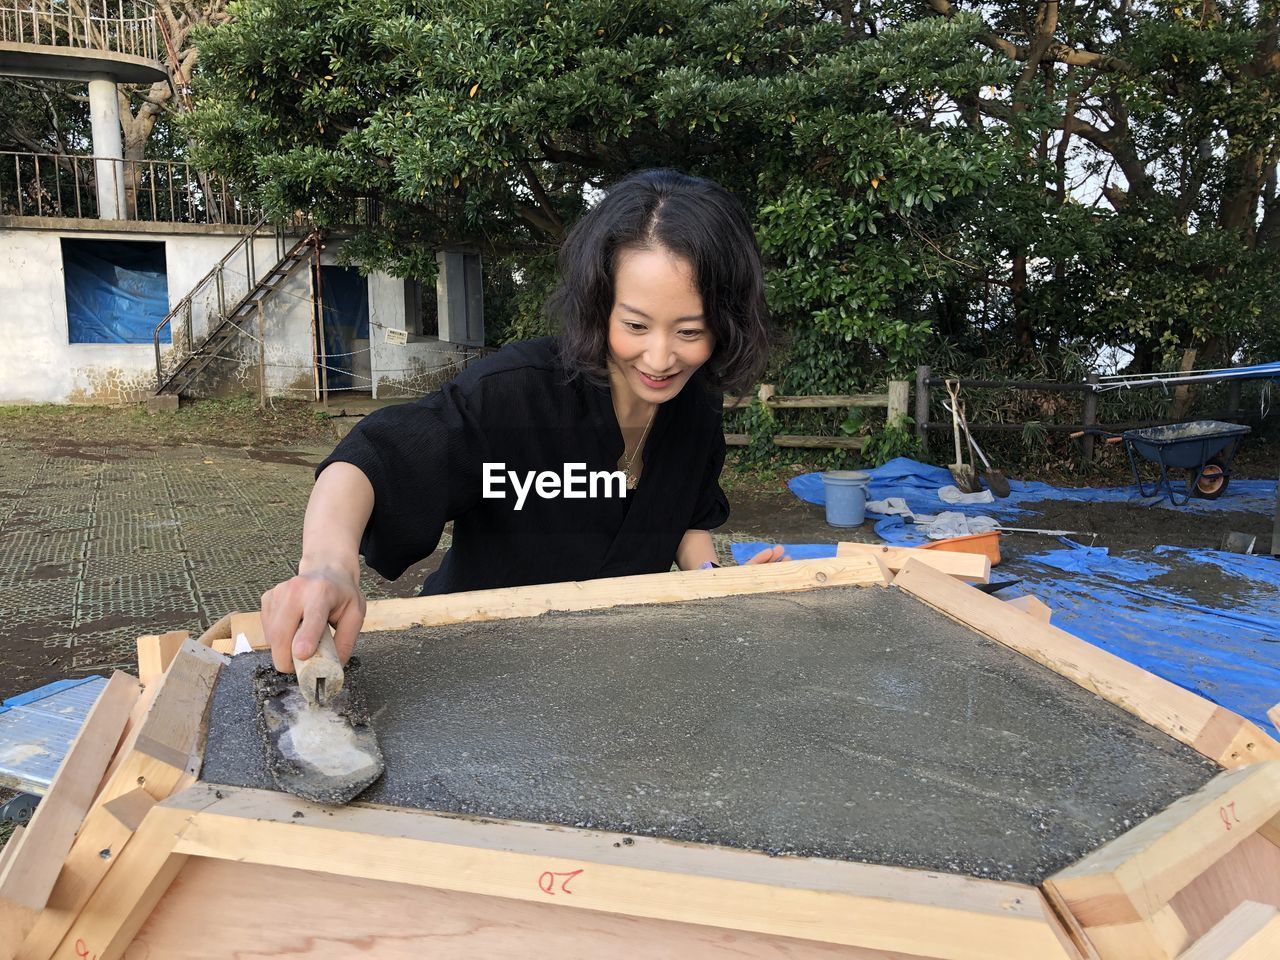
661 308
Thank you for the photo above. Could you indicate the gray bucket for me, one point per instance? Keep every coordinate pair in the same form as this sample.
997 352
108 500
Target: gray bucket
845 492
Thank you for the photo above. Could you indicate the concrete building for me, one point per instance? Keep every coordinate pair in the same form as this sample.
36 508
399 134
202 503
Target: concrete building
123 279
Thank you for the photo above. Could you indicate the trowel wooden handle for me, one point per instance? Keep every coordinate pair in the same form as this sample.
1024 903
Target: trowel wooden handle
320 676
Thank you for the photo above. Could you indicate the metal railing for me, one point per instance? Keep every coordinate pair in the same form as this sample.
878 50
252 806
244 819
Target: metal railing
210 299
162 191
112 26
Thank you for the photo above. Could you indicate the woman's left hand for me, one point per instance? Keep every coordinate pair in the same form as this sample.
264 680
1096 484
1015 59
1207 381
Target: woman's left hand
774 554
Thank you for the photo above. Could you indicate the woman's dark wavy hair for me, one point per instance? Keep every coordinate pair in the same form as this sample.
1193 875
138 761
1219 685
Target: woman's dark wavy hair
695 219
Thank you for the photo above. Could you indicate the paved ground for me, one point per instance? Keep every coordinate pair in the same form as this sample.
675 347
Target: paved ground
97 548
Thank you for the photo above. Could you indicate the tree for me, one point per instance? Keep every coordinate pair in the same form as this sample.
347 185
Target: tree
1154 128
490 125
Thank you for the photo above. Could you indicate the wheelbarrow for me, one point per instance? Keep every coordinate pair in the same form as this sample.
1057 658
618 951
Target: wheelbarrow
1204 448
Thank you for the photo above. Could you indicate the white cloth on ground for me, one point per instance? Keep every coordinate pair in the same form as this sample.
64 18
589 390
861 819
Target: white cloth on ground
889 507
952 494
952 524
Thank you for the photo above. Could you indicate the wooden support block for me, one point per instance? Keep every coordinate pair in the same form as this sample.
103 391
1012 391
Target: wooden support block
1214 731
15 922
219 631
31 869
1274 715
970 567
1249 932
124 899
676 587
156 652
1131 879
166 743
105 834
913 912
1032 605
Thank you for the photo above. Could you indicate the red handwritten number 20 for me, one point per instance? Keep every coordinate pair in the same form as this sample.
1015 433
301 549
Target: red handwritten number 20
1227 820
547 882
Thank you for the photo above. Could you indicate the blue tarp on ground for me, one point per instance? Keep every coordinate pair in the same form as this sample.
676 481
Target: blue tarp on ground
1136 606
918 484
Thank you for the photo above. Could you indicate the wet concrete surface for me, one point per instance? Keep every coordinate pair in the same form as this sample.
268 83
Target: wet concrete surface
849 723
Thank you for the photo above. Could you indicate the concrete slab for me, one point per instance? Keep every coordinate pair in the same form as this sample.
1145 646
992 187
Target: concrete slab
854 724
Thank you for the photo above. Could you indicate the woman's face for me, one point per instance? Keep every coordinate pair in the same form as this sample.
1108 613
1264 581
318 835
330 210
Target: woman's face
657 334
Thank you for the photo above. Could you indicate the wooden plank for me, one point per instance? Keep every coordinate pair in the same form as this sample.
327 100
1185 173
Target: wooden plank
156 652
814 401
161 749
874 907
737 439
969 567
1032 605
214 910
219 630
815 443
30 871
1249 872
1134 876
1249 932
109 827
1274 716
138 877
675 587
154 760
1214 731
899 402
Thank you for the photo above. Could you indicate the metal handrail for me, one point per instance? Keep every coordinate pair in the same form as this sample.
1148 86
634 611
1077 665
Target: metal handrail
244 244
217 277
164 191
112 26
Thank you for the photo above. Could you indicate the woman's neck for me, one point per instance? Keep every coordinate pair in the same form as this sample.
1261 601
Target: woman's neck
630 410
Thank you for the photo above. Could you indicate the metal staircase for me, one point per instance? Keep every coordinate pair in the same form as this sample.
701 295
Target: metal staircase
227 317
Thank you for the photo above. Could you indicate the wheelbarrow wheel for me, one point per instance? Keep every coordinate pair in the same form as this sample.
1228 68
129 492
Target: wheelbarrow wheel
1212 482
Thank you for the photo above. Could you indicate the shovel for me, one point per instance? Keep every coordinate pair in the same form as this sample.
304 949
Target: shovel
997 482
316 728
962 473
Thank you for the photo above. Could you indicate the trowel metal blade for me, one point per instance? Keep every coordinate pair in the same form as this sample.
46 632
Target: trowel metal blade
324 754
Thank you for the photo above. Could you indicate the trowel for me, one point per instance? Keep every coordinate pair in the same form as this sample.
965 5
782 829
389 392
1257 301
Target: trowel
316 729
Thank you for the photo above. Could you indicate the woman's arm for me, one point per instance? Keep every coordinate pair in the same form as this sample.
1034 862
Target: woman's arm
696 550
327 587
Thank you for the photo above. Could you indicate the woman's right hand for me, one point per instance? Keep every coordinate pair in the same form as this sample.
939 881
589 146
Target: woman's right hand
294 613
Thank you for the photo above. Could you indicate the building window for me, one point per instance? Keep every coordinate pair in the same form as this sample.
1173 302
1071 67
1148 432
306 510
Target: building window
117 290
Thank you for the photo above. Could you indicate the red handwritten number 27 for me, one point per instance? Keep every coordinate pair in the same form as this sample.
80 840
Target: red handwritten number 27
1226 820
547 882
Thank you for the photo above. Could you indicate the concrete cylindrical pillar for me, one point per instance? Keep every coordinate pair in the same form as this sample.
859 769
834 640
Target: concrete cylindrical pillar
108 147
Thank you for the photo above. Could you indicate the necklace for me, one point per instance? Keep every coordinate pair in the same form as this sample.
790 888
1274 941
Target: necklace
633 480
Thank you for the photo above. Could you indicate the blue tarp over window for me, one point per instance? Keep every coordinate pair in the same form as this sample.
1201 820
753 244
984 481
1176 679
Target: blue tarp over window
117 290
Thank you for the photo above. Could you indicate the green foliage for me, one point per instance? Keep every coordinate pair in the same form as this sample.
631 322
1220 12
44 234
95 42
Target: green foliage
891 440
912 188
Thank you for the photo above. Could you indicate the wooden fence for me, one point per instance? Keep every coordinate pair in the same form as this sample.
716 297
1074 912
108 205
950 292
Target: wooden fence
895 401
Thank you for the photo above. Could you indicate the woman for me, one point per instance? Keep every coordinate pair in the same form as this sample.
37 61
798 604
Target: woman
593 454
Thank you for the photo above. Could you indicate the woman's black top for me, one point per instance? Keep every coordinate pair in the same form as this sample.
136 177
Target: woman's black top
426 463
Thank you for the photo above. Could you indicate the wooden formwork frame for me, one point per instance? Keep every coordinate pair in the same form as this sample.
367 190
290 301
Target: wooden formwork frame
1198 881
